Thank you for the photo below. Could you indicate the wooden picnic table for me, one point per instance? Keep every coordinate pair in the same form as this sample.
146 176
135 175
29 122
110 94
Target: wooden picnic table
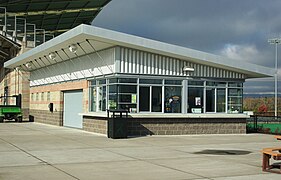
278 137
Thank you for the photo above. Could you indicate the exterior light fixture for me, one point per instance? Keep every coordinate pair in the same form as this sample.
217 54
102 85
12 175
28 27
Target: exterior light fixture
28 65
188 69
73 48
52 56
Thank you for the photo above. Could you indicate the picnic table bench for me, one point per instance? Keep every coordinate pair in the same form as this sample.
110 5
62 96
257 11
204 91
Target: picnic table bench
275 153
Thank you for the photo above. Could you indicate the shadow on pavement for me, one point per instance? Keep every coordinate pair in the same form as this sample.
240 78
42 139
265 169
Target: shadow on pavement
223 152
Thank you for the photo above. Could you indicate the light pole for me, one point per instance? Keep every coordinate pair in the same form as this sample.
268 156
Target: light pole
275 41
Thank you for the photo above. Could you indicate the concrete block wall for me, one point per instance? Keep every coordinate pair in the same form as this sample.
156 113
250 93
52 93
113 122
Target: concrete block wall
168 126
97 125
182 126
47 117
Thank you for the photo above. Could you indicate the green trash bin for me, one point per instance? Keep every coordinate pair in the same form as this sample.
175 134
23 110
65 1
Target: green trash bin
117 123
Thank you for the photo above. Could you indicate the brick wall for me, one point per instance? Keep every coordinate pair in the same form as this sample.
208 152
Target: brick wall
166 126
47 117
97 125
41 96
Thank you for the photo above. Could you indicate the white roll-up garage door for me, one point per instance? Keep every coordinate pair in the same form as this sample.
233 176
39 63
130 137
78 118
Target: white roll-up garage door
72 107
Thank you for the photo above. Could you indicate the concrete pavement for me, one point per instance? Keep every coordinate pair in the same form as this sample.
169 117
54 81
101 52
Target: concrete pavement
38 151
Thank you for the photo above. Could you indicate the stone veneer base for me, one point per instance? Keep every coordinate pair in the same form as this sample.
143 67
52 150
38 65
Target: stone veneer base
153 126
47 117
169 126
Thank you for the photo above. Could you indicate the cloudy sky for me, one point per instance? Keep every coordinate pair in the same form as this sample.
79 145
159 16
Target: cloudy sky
238 29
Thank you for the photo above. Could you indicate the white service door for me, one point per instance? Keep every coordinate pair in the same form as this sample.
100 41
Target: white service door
72 107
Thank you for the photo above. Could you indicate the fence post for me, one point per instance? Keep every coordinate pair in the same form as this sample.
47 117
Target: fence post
256 123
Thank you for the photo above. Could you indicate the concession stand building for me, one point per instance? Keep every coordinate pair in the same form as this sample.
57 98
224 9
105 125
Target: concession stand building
167 89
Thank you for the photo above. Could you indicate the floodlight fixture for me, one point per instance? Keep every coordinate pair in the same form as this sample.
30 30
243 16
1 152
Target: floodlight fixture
52 56
73 48
188 69
274 41
28 65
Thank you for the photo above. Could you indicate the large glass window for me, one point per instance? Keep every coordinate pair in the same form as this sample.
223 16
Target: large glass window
235 99
102 98
195 99
144 101
150 98
210 99
112 97
156 98
220 100
127 97
173 99
165 95
94 99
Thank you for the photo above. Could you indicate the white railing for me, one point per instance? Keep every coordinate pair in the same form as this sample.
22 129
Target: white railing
20 31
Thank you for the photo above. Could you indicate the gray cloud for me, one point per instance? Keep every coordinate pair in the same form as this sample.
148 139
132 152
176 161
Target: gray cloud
210 26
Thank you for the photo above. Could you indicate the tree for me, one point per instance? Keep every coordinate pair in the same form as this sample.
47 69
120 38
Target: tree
262 109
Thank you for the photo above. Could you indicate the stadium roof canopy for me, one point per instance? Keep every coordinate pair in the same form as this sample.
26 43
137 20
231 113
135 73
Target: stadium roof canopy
55 16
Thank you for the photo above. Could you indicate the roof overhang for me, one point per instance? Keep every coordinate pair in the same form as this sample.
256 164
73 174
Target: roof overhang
93 39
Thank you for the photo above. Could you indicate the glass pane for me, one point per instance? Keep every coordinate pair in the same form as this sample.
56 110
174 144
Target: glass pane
94 99
195 99
220 100
102 98
196 83
208 83
235 100
150 81
144 100
114 80
127 89
112 101
234 84
131 107
127 80
172 99
112 97
112 89
210 100
103 81
235 92
125 98
235 109
156 99
173 82
221 84
93 82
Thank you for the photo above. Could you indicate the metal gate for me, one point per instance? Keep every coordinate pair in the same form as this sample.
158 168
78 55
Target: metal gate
72 107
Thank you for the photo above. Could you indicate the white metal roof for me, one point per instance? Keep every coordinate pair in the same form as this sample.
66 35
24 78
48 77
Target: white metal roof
102 38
